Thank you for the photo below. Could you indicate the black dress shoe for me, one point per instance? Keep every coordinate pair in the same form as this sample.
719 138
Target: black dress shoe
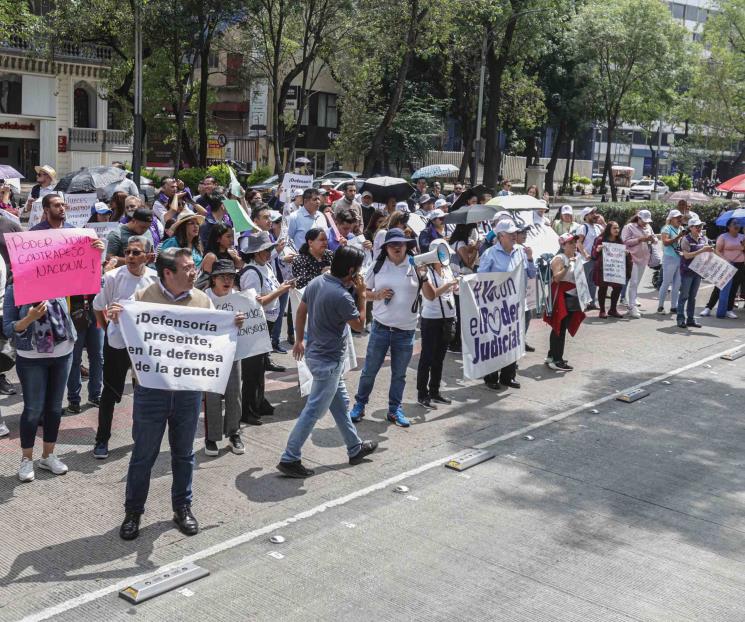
5 387
185 520
251 421
424 401
271 366
693 324
494 385
130 528
529 348
513 384
440 399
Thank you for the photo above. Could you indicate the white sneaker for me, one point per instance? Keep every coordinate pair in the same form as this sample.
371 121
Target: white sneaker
26 470
4 431
54 464
633 312
705 312
731 315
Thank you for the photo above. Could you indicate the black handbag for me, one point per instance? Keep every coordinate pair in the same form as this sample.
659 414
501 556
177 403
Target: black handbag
572 303
448 323
80 313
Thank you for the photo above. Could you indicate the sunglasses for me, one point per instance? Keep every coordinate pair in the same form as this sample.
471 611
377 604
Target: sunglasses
134 252
396 244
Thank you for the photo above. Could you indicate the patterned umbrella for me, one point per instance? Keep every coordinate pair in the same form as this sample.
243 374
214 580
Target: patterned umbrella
90 179
688 196
8 172
436 170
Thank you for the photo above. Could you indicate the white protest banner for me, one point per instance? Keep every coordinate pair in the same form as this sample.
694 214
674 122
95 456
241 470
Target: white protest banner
253 336
305 378
713 269
492 307
416 223
78 211
102 229
292 181
179 348
580 280
531 295
614 263
358 242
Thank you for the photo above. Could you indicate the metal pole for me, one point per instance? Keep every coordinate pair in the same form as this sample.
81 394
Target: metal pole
477 142
137 146
653 194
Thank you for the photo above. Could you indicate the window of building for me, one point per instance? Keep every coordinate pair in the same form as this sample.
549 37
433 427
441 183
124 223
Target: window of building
678 10
233 69
327 113
84 106
10 93
115 116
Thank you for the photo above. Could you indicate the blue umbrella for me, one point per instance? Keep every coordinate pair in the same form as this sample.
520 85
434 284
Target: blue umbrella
738 214
436 170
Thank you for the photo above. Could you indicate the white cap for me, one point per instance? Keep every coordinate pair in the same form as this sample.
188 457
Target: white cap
275 215
506 226
674 213
501 216
402 206
695 222
693 215
440 203
586 211
567 209
645 215
435 213
297 192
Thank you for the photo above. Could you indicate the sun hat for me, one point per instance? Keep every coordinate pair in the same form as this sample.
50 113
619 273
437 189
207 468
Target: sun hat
101 208
567 237
46 169
223 266
396 235
567 209
645 215
435 213
506 226
185 217
425 198
327 182
255 243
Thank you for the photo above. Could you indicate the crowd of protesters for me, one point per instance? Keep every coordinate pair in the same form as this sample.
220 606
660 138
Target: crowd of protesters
353 260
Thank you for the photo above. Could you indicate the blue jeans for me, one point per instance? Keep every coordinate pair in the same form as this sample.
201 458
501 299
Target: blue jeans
327 393
92 340
276 333
401 344
671 279
43 385
151 411
689 283
589 268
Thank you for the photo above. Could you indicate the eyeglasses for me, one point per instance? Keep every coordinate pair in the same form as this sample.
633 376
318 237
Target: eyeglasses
134 252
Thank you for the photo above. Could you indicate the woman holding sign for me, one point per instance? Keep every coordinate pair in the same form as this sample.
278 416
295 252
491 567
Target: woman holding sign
694 243
611 235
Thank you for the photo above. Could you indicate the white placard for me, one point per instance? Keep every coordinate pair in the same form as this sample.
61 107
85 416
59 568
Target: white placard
492 306
292 181
34 218
531 295
179 348
253 336
305 378
78 211
580 280
416 223
614 263
102 229
713 269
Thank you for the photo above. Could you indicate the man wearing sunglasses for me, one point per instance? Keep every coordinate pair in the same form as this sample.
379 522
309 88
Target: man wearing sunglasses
118 284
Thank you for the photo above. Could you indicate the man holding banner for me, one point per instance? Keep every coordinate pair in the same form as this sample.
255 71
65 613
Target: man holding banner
173 367
504 256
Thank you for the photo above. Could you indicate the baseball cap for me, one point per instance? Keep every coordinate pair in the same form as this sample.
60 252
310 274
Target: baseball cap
101 208
506 226
674 213
425 198
440 203
587 210
567 209
695 222
297 192
275 215
402 206
367 193
567 237
436 213
645 215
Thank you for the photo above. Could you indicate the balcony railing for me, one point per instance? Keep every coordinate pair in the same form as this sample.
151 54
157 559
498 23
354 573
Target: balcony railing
84 139
28 45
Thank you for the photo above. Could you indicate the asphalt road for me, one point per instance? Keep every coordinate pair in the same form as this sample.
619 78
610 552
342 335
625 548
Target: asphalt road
613 512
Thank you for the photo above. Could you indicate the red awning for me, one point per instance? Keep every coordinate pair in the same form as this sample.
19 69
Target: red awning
736 184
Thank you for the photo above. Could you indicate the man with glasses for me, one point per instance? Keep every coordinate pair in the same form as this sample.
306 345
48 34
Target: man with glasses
54 214
118 239
118 284
457 191
46 178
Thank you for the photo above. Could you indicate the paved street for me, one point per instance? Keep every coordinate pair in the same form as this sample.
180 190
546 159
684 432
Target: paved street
633 512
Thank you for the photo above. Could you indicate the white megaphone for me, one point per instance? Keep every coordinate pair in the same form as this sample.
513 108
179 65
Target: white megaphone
441 254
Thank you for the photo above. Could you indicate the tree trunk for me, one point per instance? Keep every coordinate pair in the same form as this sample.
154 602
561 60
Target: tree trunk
496 64
551 166
655 156
202 118
566 182
573 157
609 163
374 156
466 162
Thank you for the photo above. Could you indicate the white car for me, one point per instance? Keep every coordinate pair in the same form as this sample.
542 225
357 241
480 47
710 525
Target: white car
643 189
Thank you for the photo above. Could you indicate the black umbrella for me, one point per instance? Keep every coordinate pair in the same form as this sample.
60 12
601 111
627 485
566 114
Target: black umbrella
466 195
90 179
383 188
471 214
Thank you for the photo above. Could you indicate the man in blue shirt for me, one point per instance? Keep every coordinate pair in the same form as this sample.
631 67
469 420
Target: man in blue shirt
54 213
306 218
327 308
505 256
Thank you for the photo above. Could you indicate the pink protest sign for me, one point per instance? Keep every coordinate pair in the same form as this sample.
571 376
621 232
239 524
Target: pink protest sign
53 263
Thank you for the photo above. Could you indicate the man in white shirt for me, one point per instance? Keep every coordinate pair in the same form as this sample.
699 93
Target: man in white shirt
306 218
119 284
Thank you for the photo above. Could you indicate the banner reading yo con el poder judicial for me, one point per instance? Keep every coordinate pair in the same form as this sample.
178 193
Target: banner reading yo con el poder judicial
492 306
53 263
179 348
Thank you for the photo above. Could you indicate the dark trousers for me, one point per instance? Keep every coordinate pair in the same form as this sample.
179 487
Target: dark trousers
115 367
434 347
615 294
737 280
284 308
151 411
456 338
503 376
253 368
556 342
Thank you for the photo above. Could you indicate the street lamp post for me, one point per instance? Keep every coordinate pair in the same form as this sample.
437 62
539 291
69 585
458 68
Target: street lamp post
137 139
479 113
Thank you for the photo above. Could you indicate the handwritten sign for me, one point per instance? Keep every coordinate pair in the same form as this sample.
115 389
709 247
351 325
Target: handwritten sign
580 280
78 210
102 229
253 336
53 263
492 306
713 269
179 348
291 182
614 263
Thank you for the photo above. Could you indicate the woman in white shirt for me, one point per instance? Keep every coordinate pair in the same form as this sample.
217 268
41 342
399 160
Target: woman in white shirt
256 250
437 326
393 285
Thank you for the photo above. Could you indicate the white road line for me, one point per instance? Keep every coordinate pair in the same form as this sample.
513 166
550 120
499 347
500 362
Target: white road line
252 535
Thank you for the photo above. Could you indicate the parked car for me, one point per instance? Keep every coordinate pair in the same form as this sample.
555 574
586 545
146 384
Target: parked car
644 188
339 175
339 184
267 184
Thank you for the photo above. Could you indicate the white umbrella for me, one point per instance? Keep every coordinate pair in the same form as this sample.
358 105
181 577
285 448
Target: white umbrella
518 202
